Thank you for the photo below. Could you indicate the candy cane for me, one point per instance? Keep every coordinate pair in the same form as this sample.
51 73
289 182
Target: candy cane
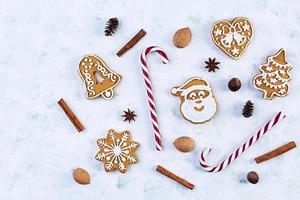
278 117
153 113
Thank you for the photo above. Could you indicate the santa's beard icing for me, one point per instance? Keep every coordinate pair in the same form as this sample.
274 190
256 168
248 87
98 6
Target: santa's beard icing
199 112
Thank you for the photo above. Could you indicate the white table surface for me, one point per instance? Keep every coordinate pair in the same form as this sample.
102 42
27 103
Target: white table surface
42 43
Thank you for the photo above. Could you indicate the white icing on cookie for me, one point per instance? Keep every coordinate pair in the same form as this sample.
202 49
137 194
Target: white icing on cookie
198 105
199 112
89 67
274 78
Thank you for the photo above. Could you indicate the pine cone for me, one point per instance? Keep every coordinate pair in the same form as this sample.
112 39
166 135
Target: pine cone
248 109
111 26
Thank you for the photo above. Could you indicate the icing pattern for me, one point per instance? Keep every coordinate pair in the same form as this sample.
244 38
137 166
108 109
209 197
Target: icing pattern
117 151
274 76
88 67
105 73
232 37
198 104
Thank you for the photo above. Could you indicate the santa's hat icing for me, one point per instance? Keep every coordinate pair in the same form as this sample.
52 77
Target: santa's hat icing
190 85
279 59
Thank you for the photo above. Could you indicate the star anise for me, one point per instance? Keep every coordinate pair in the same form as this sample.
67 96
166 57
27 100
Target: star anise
129 115
212 65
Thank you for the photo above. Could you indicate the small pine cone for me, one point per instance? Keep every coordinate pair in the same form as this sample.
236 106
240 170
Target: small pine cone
111 26
248 109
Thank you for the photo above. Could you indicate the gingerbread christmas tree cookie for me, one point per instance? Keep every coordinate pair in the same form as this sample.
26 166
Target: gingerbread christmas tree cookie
274 76
117 151
197 102
99 80
232 37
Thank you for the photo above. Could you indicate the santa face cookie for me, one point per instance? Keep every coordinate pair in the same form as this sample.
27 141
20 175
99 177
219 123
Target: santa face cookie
232 37
99 80
274 76
197 102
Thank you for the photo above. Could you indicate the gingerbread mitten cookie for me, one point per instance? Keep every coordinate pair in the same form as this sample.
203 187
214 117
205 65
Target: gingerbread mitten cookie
274 76
99 80
232 37
197 102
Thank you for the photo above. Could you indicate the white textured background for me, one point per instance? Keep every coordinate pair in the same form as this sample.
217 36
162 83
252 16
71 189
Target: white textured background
42 43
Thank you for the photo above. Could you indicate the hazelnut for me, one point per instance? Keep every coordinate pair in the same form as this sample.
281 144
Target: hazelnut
234 84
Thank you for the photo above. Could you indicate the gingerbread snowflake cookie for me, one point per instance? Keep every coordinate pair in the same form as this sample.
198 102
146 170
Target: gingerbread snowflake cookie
117 151
197 102
98 78
274 76
232 37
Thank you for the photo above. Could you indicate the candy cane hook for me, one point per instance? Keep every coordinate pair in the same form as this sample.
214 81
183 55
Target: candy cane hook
149 90
278 117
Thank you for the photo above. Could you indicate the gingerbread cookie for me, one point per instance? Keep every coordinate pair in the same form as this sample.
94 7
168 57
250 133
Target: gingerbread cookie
117 151
98 78
197 102
232 37
274 76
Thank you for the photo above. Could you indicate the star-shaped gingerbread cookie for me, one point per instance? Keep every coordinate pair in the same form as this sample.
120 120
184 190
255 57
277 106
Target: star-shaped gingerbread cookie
117 151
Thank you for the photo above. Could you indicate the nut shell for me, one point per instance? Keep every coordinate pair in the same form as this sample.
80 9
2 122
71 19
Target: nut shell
182 37
253 177
234 84
81 176
184 144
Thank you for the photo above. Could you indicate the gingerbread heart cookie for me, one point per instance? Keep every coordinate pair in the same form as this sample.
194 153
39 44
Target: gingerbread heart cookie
98 78
232 37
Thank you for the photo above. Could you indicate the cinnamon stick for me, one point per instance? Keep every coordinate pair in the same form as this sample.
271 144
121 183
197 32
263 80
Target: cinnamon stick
276 152
70 115
131 42
176 178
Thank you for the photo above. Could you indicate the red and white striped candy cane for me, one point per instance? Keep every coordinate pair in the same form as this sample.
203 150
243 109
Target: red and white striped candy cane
278 117
153 113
